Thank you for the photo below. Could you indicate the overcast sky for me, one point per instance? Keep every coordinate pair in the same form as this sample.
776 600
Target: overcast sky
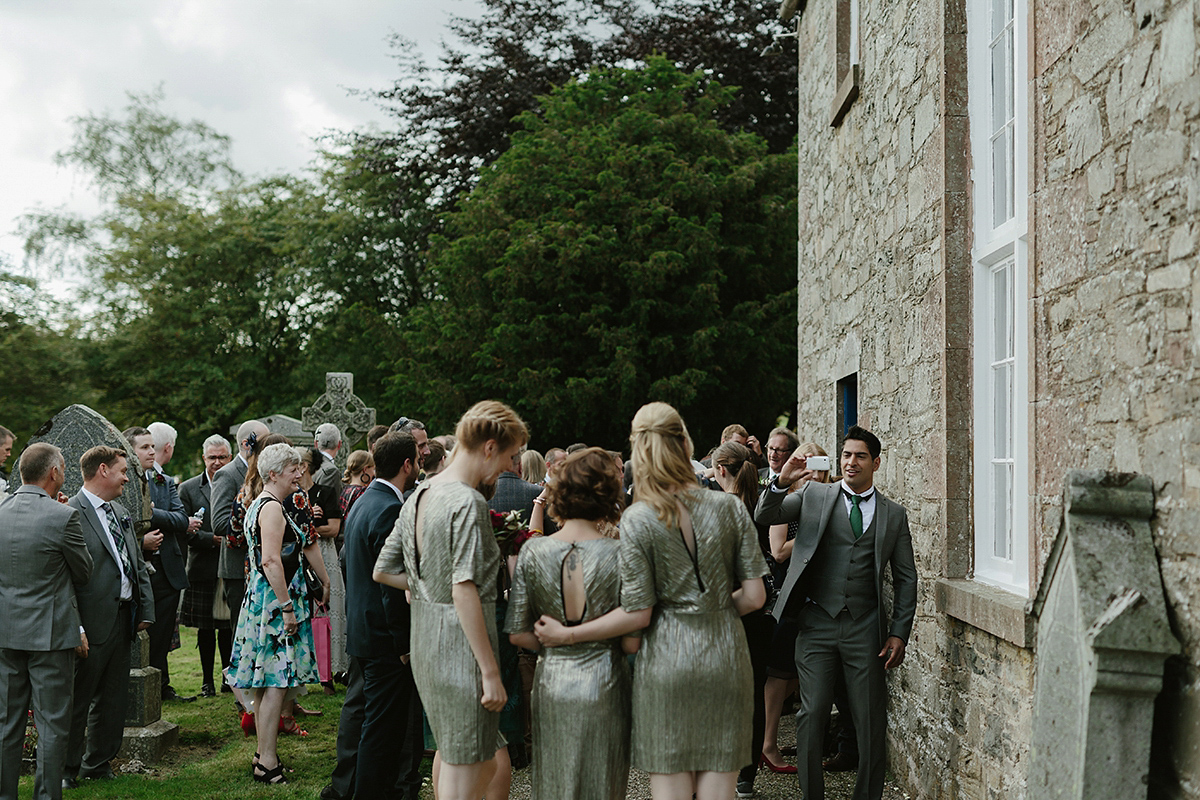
271 74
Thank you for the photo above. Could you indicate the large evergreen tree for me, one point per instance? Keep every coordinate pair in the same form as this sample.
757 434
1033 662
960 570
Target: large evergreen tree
625 248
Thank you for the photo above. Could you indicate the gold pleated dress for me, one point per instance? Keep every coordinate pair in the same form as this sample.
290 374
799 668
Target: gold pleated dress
693 687
459 546
580 701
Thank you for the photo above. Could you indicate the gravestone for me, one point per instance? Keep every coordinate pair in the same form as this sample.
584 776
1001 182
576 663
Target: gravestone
147 735
1102 638
77 429
284 425
340 406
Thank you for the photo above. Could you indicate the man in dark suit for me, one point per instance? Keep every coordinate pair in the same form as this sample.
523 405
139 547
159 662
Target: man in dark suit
834 586
225 485
203 554
114 605
513 493
42 559
165 545
371 733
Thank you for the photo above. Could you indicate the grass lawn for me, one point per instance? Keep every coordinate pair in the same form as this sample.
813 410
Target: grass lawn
212 758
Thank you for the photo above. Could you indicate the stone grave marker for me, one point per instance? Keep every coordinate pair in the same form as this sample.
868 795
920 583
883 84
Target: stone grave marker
342 407
1102 638
77 429
147 735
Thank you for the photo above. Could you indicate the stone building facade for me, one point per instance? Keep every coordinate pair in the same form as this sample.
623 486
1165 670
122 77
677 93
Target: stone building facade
998 242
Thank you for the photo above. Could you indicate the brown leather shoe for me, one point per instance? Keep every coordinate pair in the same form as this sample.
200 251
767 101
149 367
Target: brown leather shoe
842 762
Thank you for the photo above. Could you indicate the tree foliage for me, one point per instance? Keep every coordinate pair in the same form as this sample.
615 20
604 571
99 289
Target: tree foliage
624 249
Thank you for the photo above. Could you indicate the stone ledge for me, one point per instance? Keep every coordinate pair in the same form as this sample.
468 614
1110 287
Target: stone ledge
988 608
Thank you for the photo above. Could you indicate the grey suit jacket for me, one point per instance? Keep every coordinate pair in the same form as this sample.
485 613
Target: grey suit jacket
813 504
170 518
100 597
203 553
329 475
225 485
43 559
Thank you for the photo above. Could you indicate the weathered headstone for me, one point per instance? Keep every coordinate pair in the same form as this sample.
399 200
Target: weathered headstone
340 406
282 424
77 429
147 735
1102 638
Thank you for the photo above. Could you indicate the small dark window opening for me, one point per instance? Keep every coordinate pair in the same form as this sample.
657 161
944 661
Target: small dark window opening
847 403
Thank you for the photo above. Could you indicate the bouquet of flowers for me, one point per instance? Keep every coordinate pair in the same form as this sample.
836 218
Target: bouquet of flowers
511 531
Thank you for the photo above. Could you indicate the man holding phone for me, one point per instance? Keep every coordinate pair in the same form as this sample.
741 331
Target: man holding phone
834 587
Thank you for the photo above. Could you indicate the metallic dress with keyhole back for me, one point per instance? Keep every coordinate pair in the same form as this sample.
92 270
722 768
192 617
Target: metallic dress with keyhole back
580 700
693 687
457 545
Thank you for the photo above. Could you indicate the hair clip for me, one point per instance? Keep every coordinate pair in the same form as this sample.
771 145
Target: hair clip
252 439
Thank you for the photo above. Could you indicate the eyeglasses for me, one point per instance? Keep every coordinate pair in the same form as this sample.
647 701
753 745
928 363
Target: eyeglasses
779 450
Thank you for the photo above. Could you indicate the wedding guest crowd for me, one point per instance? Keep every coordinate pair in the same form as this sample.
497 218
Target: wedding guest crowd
673 605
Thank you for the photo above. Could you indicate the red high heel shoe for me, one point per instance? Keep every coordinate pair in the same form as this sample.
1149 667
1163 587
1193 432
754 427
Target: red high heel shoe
782 769
247 723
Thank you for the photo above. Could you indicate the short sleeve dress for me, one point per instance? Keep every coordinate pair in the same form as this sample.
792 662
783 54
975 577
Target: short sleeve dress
580 701
693 686
458 546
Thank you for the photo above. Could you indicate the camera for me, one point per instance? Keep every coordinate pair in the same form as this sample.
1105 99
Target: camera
817 463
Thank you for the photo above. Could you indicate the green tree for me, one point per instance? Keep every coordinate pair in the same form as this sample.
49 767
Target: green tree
624 249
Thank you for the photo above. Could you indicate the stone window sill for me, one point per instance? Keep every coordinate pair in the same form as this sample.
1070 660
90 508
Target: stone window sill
988 608
846 93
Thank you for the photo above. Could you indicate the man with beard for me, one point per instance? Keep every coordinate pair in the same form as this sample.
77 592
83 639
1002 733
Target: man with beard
377 627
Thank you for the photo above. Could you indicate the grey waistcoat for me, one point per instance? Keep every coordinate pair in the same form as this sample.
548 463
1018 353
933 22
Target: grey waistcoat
842 569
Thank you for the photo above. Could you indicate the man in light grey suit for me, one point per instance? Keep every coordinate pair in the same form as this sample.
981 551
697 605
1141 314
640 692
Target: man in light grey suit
225 485
115 603
42 559
834 587
328 440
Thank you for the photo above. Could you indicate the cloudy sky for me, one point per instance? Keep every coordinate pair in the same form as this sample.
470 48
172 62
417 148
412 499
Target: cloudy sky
271 74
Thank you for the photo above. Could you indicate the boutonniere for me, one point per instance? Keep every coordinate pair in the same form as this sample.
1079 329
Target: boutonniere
126 523
764 481
159 478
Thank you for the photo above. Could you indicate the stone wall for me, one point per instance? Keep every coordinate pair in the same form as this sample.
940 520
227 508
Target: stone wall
884 291
1116 318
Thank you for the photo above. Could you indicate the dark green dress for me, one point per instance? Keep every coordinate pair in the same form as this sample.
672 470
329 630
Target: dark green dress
692 687
458 546
580 699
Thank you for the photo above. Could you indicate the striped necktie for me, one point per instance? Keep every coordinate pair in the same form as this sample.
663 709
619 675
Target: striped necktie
114 528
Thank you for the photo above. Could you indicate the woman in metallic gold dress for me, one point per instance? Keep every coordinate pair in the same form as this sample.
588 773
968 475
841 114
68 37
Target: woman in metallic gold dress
443 550
580 702
690 557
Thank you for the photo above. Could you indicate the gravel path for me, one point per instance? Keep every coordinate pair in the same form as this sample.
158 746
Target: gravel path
768 786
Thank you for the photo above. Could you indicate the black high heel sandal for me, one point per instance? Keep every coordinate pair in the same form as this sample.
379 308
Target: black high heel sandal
271 776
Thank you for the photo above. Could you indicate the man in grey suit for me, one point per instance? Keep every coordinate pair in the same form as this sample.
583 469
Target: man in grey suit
781 443
114 605
834 587
225 485
328 440
42 559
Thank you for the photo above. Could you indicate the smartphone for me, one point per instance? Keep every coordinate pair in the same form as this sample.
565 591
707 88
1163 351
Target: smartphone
817 463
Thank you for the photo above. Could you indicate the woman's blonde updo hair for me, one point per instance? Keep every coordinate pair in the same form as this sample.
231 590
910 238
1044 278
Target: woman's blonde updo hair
356 462
490 419
661 452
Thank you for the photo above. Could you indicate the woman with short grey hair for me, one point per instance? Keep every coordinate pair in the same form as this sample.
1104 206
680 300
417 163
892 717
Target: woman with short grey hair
273 649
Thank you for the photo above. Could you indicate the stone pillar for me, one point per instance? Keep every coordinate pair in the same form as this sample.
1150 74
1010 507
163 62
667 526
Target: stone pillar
147 734
1102 639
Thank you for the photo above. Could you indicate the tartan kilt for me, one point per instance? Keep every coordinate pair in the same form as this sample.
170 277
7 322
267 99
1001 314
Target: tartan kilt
195 611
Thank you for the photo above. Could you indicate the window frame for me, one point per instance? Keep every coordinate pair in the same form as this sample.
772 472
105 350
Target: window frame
995 245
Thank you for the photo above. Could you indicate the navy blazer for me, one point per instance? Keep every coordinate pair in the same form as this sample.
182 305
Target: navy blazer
171 520
377 616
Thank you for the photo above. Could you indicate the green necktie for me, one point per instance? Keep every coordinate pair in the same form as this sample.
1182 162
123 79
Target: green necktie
856 516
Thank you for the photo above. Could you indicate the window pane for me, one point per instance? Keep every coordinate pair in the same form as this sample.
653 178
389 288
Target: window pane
1001 188
1002 308
1002 511
1001 83
1002 410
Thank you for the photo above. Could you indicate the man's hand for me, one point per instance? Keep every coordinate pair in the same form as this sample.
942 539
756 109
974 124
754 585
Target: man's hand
752 443
893 651
794 469
82 649
193 524
152 540
141 626
62 498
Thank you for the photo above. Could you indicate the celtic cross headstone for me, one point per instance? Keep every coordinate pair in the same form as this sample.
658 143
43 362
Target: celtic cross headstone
340 406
